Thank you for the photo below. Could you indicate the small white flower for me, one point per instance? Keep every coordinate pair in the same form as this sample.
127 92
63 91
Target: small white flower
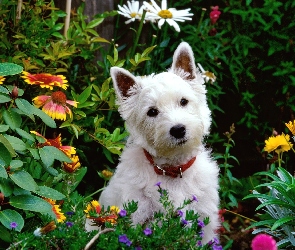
37 232
171 15
207 74
131 11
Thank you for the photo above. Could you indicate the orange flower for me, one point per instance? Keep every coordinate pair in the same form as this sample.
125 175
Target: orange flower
55 105
2 79
45 80
56 142
72 167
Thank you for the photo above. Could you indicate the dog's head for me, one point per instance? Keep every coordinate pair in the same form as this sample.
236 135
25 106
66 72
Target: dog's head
167 113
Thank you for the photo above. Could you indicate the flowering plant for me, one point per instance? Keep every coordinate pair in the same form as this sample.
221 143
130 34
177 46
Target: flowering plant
278 202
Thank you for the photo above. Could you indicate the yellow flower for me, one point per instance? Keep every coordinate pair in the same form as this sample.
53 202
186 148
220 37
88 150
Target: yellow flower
291 127
92 208
114 210
107 173
279 143
45 80
2 79
60 217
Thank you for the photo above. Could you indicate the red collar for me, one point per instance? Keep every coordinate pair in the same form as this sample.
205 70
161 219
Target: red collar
172 171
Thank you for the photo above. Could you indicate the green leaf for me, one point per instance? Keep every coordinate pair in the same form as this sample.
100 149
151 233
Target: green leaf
3 128
5 156
8 146
31 203
15 164
6 186
8 216
4 98
16 143
5 234
84 95
282 221
3 173
49 153
25 134
44 117
24 105
34 153
4 90
7 69
12 119
24 180
94 23
50 193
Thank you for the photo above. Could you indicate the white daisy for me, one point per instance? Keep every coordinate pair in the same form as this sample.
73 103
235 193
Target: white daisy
171 15
131 11
207 74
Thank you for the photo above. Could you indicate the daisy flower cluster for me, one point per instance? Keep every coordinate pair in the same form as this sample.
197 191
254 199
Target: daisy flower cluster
56 104
155 13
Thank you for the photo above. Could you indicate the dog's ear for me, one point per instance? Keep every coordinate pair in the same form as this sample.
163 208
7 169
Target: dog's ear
123 82
184 62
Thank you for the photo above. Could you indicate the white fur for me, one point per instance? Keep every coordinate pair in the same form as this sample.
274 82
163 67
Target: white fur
135 178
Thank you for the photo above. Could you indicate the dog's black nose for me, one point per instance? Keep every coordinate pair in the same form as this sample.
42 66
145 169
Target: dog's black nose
178 131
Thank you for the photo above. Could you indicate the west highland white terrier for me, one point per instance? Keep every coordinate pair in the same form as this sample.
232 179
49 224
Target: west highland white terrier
167 116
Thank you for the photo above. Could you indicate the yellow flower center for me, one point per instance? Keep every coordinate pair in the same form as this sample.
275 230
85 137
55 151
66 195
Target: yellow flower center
59 97
133 14
165 14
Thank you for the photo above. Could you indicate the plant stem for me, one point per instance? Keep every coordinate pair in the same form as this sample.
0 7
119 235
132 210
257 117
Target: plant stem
91 242
97 191
201 20
137 35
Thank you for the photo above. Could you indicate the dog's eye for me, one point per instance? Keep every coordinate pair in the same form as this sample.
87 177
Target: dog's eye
183 102
152 112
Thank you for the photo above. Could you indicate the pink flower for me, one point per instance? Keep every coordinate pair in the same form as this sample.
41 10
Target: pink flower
214 14
263 241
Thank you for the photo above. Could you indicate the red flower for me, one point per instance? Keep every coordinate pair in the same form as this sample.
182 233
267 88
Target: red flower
214 14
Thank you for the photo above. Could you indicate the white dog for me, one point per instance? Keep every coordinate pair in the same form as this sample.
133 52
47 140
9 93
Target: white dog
167 117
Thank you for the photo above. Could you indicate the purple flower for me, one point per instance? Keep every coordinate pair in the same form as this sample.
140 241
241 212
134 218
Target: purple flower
123 213
147 231
138 248
69 224
180 213
158 184
216 247
199 243
201 224
195 198
202 235
184 222
263 241
124 239
69 213
13 225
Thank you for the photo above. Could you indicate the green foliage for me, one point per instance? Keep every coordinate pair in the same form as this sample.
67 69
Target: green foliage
279 204
226 179
173 223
